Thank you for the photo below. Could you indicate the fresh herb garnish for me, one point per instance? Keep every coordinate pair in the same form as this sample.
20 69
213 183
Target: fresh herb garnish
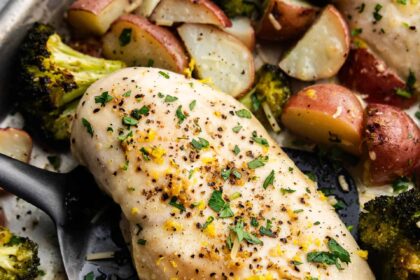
125 37
200 143
361 8
258 162
267 229
288 190
241 234
55 161
208 222
336 253
125 137
417 115
225 174
163 74
218 204
173 202
180 115
339 205
236 150
400 185
146 155
170 98
254 222
259 140
256 103
244 113
237 128
376 14
269 180
127 93
312 176
136 113
88 126
129 121
192 105
141 241
103 98
356 31
89 276
150 62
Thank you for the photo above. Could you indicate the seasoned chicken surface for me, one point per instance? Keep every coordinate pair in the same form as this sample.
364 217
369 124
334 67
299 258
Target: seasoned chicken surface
206 192
391 28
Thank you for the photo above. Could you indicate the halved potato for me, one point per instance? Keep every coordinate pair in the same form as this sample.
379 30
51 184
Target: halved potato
242 29
327 114
322 50
136 41
95 17
366 73
285 19
146 8
169 12
15 143
220 58
392 144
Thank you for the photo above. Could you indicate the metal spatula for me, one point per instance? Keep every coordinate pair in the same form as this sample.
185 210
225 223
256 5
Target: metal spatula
87 221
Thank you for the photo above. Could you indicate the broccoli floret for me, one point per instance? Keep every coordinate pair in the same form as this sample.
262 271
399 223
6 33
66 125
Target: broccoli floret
50 76
271 92
388 229
235 8
18 257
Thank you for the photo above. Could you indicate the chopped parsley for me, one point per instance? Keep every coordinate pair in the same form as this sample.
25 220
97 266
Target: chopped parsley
288 190
218 204
356 31
259 140
88 126
361 8
402 2
244 113
180 115
170 98
236 150
403 93
254 222
298 211
339 205
146 155
258 162
236 174
269 180
400 185
127 93
256 103
129 121
136 113
125 137
200 143
225 174
163 74
417 115
208 222
103 98
297 263
376 14
173 202
241 234
336 253
192 105
125 37
55 161
161 95
141 241
312 176
89 276
267 229
235 195
150 62
237 128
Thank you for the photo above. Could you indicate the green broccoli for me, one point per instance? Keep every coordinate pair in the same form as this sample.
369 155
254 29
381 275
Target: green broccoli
389 230
235 8
18 257
271 92
51 77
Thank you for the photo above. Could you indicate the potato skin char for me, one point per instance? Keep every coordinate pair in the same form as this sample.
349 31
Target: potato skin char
393 144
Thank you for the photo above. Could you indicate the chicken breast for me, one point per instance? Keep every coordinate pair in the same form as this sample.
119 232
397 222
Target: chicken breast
390 28
206 192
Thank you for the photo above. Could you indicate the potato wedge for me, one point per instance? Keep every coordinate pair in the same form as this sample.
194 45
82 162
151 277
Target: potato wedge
136 41
285 19
328 114
322 50
169 12
15 143
368 74
242 29
95 17
146 8
392 143
219 57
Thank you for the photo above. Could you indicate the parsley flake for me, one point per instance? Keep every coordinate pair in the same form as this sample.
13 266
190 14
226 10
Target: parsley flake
237 128
127 93
136 113
244 113
169 99
208 222
103 98
269 180
218 204
376 14
173 202
258 162
192 105
88 126
125 37
180 115
241 234
259 140
288 190
141 241
200 143
163 74
236 150
225 174
129 121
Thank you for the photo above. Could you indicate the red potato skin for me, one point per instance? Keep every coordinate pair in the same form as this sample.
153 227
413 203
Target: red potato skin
95 6
225 21
392 142
294 21
368 74
162 35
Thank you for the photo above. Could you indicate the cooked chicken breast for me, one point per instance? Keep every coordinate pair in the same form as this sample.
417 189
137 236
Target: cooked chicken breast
391 28
206 191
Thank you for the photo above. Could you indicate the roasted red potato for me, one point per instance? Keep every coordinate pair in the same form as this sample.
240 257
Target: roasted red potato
392 144
96 16
15 143
136 41
285 19
368 74
327 114
242 29
169 12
